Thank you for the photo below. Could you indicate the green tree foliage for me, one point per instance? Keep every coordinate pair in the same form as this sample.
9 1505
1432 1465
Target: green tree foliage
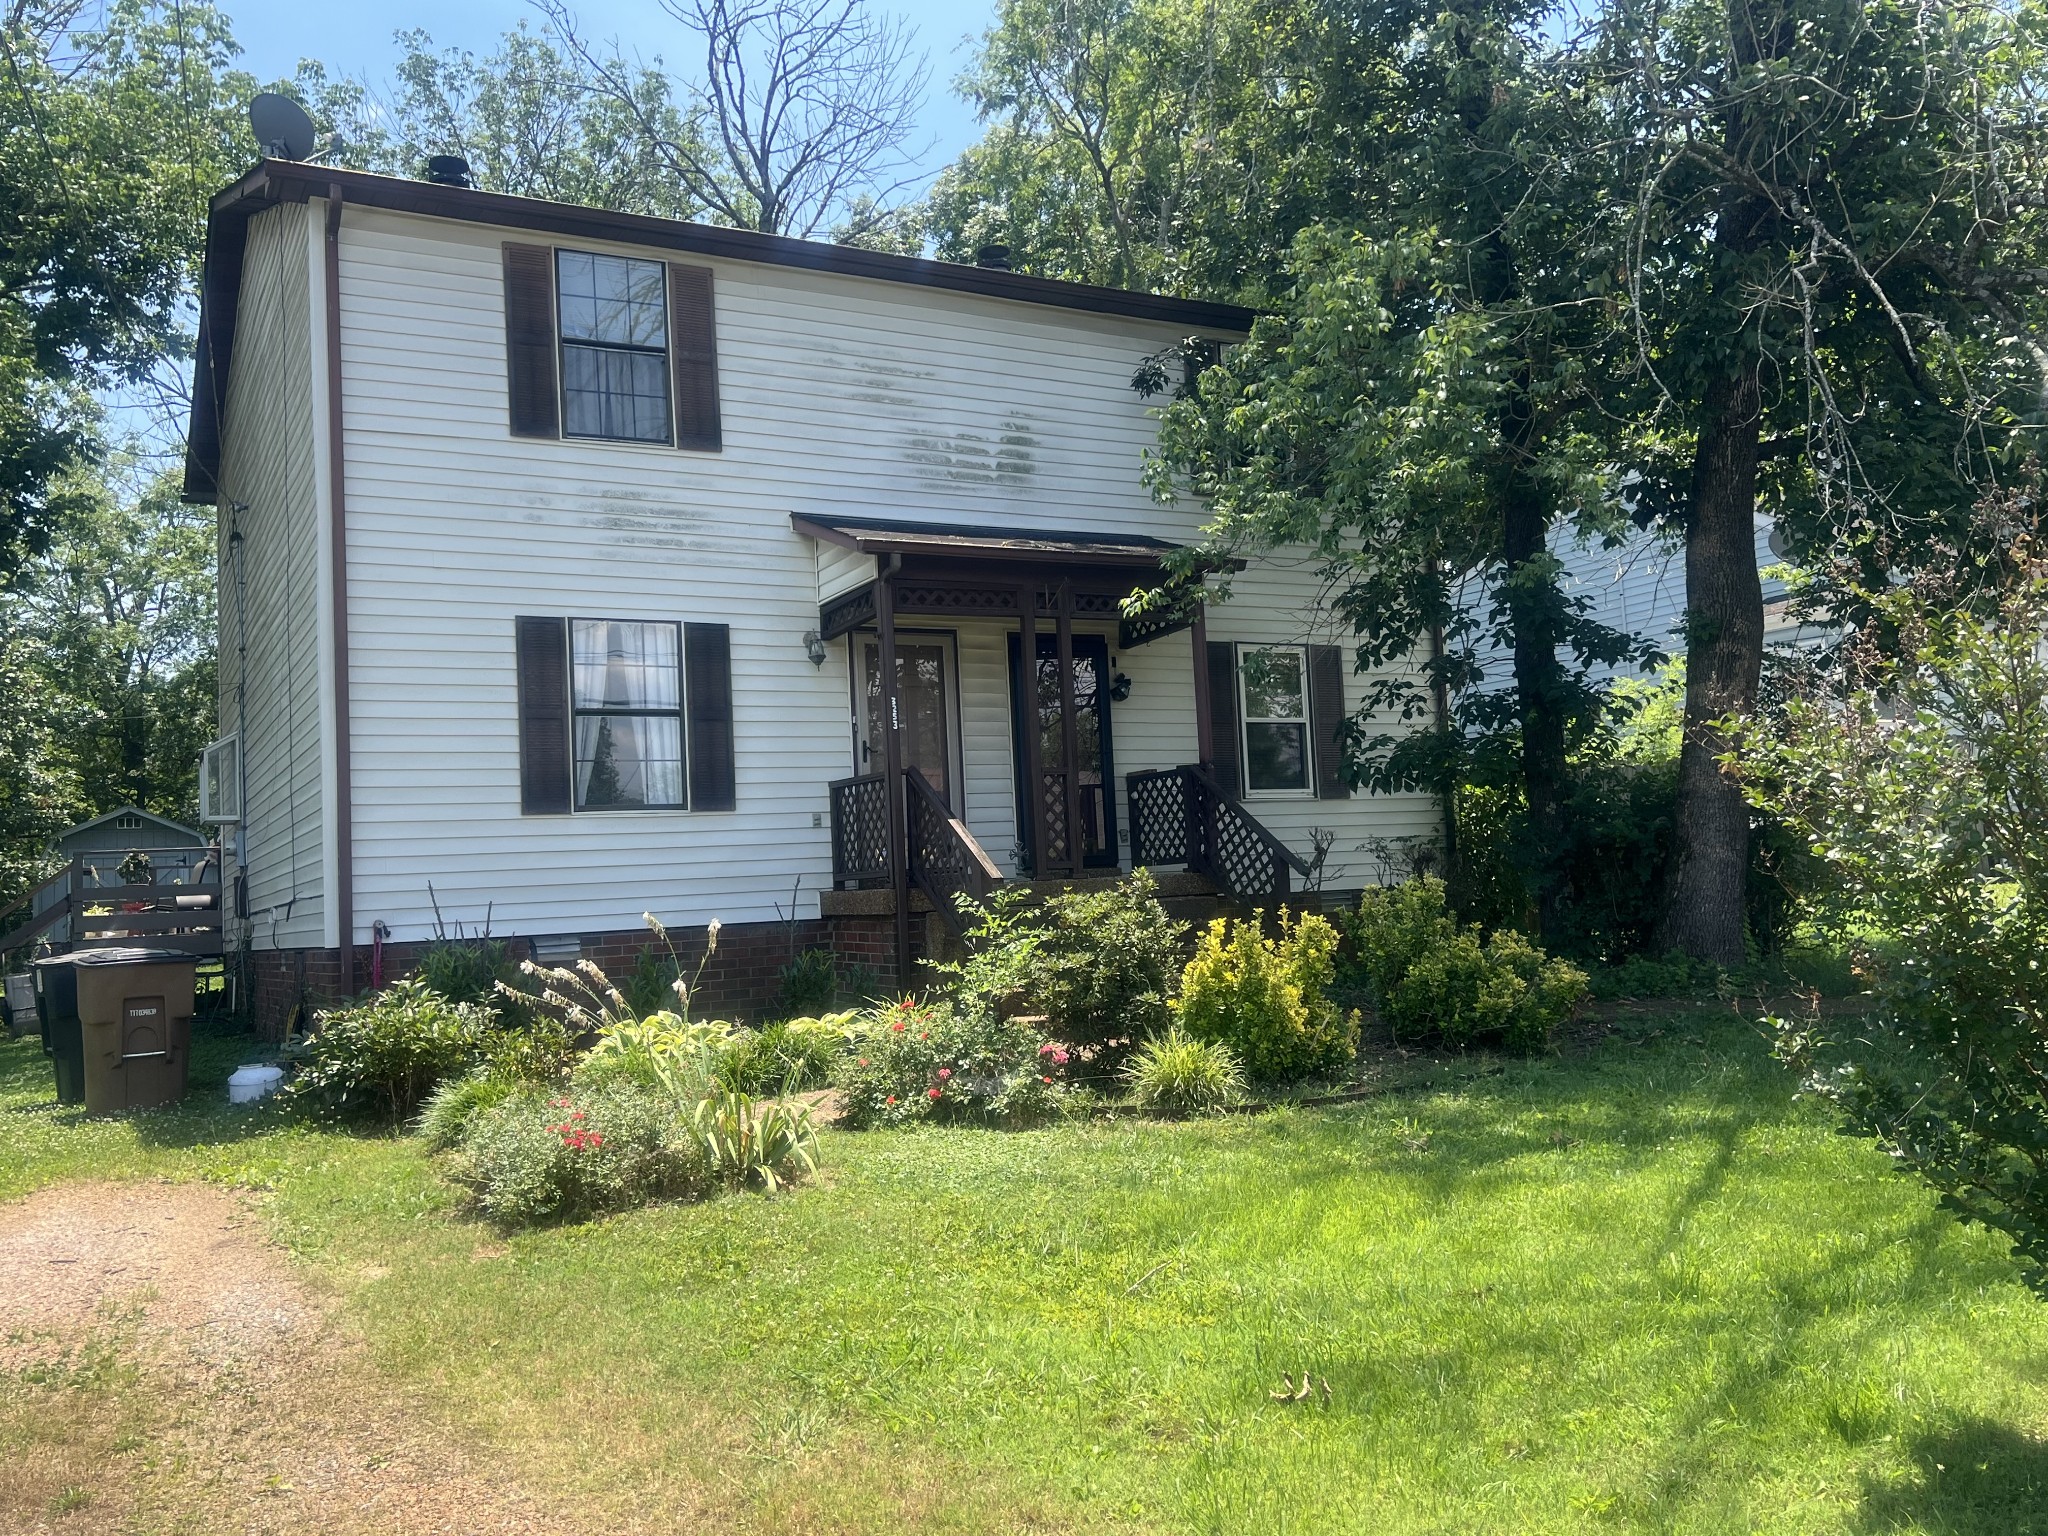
111 137
527 117
108 643
1924 793
1830 286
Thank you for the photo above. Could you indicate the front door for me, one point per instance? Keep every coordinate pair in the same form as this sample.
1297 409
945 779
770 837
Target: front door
925 704
1091 737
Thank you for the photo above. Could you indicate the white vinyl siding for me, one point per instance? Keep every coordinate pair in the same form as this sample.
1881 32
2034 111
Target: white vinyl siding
268 464
838 396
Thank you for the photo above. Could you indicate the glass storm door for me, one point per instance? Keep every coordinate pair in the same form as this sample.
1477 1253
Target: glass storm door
1091 739
924 699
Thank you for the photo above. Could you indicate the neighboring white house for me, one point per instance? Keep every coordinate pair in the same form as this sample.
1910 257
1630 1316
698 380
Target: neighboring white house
560 550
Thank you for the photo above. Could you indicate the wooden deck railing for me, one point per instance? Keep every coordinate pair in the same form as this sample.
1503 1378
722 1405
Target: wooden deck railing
1182 816
945 860
103 907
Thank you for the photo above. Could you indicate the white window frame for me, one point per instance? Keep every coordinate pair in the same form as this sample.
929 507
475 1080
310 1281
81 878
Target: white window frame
1245 722
681 713
220 780
564 341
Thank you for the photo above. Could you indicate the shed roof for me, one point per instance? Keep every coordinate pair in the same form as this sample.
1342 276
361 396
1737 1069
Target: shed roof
271 182
180 834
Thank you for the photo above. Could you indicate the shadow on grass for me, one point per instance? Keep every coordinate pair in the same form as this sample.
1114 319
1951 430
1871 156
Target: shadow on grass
1976 1478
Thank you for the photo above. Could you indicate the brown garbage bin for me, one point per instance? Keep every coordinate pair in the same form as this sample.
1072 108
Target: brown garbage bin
135 1013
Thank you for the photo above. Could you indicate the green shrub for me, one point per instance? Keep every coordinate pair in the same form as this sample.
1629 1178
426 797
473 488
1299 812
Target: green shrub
1184 1076
1921 792
1097 965
452 1108
787 1057
538 1157
1429 975
809 984
913 1061
650 987
383 1055
469 970
1268 999
1639 976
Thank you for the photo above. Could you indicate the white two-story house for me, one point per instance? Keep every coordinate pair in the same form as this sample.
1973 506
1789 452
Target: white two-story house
575 565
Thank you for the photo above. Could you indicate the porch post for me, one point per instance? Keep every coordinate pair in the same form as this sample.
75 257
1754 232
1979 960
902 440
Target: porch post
892 772
1205 715
1070 742
1034 771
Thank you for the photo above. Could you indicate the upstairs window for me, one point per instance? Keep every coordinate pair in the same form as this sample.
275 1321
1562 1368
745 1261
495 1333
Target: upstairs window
626 697
1275 714
614 328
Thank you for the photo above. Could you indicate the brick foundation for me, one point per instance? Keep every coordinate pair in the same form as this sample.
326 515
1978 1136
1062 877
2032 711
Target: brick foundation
740 982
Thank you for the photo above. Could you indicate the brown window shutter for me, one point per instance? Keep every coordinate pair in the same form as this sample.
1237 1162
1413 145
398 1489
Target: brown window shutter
530 340
707 684
1223 732
693 356
544 765
1326 720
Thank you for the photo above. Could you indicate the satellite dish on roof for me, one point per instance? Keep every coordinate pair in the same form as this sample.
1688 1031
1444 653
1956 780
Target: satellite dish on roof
282 129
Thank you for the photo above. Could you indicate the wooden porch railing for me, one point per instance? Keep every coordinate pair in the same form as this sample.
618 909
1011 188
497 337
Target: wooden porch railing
175 914
945 860
1182 816
860 831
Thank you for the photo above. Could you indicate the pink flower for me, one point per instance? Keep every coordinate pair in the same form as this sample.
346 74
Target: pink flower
1047 1049
933 1093
1045 1079
944 1073
1059 1058
892 1098
863 1061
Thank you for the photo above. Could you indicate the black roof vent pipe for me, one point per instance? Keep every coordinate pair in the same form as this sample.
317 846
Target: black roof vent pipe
448 171
994 257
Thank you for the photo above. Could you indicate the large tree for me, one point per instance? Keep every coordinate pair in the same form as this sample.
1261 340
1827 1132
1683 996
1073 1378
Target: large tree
1832 290
112 133
529 118
801 116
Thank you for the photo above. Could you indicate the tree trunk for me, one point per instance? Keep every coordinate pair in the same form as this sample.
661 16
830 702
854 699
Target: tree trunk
1724 647
1533 609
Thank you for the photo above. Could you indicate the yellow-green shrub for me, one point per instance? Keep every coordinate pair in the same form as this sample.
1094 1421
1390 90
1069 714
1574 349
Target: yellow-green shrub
1267 999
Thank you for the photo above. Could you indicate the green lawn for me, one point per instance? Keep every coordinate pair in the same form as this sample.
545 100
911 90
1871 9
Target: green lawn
1635 1290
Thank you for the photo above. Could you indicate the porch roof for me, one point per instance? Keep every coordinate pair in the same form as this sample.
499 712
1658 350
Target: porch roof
885 536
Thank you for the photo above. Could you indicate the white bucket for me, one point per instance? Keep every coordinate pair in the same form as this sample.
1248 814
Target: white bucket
250 1083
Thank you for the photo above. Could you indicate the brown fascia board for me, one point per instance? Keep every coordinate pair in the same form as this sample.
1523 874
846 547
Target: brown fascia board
271 182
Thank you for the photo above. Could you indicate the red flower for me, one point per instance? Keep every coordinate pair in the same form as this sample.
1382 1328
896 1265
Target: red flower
926 1035
863 1061
1045 1079
892 1098
897 1026
933 1093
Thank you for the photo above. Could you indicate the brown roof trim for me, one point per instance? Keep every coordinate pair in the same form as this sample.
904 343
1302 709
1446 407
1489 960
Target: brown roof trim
877 536
271 182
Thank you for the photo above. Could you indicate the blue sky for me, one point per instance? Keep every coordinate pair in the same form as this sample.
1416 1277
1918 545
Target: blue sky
354 38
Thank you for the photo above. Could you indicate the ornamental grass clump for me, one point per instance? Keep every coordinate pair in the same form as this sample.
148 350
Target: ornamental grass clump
1176 1074
912 1061
1268 999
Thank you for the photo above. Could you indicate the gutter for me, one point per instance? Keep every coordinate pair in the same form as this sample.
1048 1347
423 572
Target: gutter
337 535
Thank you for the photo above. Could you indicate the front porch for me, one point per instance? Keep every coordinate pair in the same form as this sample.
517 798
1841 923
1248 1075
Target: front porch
973 770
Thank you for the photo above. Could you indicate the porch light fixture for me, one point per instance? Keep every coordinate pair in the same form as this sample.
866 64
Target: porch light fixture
1120 688
814 647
